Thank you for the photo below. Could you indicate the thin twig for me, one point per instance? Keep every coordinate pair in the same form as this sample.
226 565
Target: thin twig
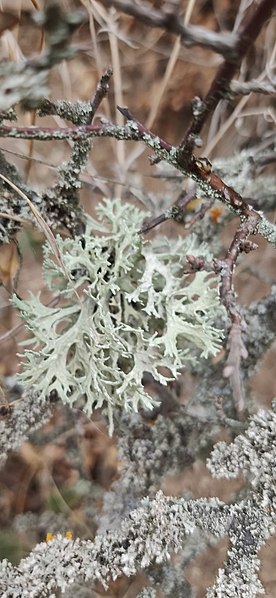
190 35
225 268
249 28
176 211
101 90
153 222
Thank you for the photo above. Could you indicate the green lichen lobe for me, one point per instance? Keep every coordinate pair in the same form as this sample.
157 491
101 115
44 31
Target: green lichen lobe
125 308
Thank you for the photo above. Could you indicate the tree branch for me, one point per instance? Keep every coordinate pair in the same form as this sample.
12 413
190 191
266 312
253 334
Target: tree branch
253 86
250 27
200 170
225 268
191 35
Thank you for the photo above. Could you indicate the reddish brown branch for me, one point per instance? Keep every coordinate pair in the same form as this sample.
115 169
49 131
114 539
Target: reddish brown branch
225 268
250 27
143 131
198 169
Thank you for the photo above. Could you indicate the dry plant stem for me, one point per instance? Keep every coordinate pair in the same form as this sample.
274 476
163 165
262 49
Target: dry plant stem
190 35
251 25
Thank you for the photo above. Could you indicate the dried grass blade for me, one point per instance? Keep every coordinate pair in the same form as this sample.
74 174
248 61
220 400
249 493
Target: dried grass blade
43 226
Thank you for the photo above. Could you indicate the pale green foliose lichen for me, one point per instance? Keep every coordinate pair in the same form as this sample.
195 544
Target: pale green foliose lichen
126 307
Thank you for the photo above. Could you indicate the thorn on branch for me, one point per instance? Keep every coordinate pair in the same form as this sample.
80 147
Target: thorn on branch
125 112
101 91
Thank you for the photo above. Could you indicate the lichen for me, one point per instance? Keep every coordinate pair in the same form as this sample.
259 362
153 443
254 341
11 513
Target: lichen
125 308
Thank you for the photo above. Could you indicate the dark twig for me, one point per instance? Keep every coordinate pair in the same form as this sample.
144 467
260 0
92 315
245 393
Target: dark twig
153 222
221 43
248 30
264 160
200 170
199 215
176 211
101 90
225 269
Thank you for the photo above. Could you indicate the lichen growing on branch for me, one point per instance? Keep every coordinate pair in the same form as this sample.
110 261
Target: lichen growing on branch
164 524
125 308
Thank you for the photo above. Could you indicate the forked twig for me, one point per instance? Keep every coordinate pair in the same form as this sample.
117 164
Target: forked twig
225 269
249 28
